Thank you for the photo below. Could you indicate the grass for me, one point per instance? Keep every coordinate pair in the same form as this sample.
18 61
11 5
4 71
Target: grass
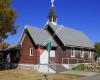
31 75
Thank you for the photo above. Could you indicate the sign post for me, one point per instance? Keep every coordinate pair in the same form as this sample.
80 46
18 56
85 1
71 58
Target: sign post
48 49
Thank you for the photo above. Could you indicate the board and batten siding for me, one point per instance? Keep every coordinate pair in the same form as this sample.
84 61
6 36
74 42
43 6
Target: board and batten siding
64 56
25 57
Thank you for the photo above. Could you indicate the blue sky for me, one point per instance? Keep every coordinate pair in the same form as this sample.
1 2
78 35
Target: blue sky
83 15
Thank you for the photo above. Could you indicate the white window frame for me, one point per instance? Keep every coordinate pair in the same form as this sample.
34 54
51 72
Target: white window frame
52 53
82 53
73 52
31 51
90 54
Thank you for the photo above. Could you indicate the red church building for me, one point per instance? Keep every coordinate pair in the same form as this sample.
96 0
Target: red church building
68 47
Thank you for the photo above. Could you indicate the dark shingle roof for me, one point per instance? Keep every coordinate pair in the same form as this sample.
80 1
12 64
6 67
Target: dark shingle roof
40 36
11 47
72 37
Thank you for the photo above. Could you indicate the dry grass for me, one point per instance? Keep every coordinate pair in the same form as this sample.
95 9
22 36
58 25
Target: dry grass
31 75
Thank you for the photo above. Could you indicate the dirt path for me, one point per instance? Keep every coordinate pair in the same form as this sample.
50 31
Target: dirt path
81 73
94 77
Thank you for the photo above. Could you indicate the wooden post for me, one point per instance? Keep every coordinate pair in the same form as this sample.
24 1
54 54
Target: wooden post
77 60
68 60
45 77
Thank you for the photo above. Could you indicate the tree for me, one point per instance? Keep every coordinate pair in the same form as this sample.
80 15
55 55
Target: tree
97 47
8 17
3 45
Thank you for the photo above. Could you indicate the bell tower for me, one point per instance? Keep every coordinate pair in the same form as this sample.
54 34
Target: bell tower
52 14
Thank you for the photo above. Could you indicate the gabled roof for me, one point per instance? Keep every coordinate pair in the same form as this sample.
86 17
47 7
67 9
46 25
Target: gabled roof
12 46
71 37
40 36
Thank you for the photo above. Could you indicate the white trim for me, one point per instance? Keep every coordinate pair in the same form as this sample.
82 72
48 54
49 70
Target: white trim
22 39
73 52
31 51
52 53
56 20
52 19
76 59
22 34
65 59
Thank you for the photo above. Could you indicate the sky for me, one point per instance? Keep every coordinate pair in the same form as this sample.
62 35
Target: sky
83 15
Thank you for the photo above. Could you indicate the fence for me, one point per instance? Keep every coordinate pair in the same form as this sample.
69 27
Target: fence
78 61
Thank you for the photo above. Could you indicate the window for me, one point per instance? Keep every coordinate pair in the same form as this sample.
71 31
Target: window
54 19
72 52
52 53
89 54
31 51
82 53
50 19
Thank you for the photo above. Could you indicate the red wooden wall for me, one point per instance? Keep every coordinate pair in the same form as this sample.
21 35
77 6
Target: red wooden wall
25 57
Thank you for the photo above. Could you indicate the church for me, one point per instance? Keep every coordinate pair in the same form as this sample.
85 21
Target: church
55 48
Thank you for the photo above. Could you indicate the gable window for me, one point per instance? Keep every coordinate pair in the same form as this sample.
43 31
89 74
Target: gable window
31 51
72 52
82 53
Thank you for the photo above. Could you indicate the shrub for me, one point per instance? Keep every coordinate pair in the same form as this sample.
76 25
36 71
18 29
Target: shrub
80 67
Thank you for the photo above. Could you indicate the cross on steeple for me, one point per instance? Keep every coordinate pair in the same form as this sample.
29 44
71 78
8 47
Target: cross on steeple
52 1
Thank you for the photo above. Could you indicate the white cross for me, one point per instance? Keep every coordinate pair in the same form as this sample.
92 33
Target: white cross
52 1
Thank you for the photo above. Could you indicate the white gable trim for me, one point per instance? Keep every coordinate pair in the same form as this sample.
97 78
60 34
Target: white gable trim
20 39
